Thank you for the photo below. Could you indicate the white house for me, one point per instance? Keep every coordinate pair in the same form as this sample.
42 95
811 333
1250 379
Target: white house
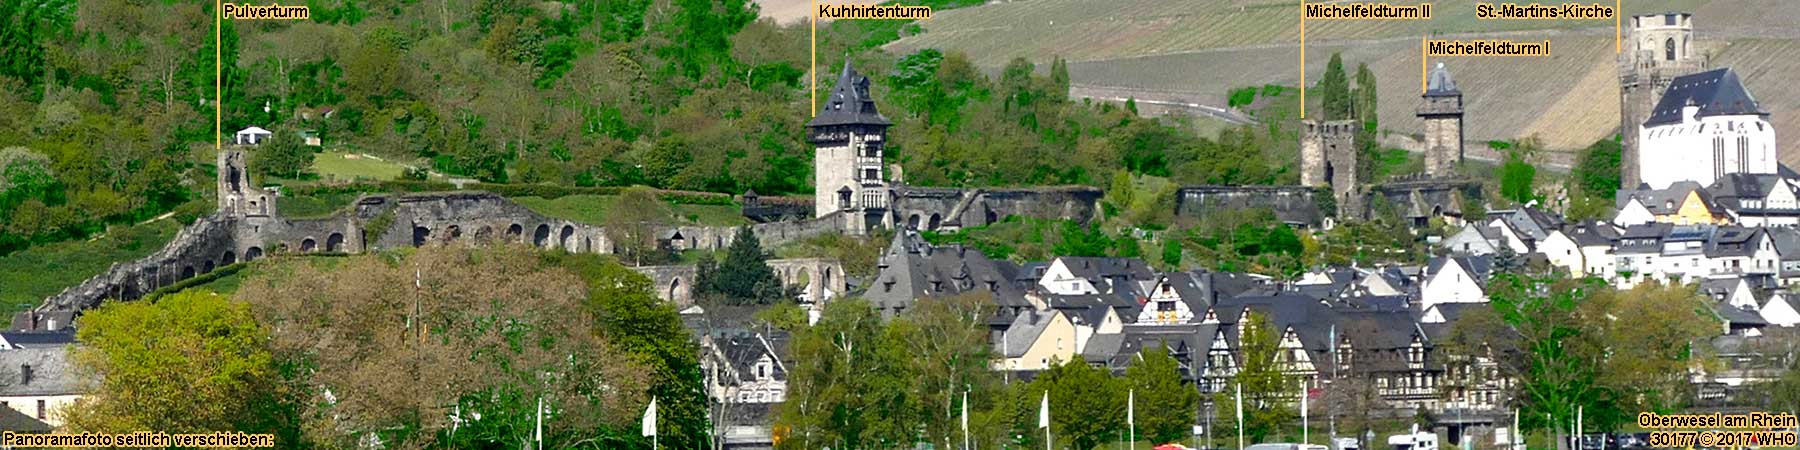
251 136
744 368
1705 126
38 382
1171 300
1072 275
1455 280
1474 239
1758 199
1583 249
1633 212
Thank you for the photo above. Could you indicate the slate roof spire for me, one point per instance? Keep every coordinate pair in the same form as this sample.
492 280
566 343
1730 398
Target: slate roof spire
850 102
1440 83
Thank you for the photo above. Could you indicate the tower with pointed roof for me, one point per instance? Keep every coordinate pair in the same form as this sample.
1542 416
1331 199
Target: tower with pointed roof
847 137
1442 110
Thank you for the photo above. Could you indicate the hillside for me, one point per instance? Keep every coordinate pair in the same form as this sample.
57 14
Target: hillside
1198 50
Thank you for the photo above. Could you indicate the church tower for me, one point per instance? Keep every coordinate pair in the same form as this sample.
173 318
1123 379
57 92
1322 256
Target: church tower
1442 109
847 138
1658 48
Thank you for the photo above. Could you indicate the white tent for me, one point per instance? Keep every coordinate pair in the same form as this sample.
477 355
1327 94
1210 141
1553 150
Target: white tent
251 136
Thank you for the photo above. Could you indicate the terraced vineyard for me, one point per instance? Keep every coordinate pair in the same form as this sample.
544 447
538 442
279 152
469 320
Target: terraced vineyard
1198 50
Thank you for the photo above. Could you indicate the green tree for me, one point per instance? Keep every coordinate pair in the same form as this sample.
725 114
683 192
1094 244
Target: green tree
1597 170
1087 405
1516 178
947 354
1079 240
1171 253
1334 91
283 155
1165 406
744 277
1561 362
190 362
847 387
1267 409
1650 332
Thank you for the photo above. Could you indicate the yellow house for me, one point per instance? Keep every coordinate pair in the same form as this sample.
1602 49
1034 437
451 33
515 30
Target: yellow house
1682 203
1036 339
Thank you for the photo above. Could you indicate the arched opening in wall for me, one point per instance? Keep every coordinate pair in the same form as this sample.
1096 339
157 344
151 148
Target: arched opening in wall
455 232
334 242
674 287
587 245
566 239
420 234
308 245
1669 49
992 217
826 280
236 186
281 248
935 221
514 232
187 272
540 235
804 280
1437 210
228 258
912 222
207 267
484 233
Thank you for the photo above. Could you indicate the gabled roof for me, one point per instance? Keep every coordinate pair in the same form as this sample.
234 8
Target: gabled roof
1787 242
912 269
1717 92
1731 241
34 339
254 130
1478 267
1732 188
13 420
850 103
744 350
1667 200
1592 233
1024 331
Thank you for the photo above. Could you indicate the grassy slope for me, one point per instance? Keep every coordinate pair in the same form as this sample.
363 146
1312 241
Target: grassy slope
27 277
348 166
1205 48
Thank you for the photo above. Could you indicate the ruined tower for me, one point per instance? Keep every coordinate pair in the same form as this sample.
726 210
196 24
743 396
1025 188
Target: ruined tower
1658 48
847 137
1328 158
1442 110
236 196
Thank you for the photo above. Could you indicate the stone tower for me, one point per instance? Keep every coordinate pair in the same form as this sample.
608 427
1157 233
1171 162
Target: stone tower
1658 48
847 137
1328 159
1442 110
236 196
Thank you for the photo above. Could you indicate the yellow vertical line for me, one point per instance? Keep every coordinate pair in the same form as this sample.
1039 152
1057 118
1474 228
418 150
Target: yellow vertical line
813 108
1303 59
1618 18
218 73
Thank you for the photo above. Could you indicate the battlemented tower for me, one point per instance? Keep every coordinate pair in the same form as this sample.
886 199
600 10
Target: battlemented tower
1658 48
847 137
1442 109
1328 159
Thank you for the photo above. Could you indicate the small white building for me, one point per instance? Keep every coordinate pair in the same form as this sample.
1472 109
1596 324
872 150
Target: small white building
251 136
1455 280
38 382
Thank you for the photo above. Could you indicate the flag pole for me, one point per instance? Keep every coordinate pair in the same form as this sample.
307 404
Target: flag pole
1305 426
965 419
1240 415
1131 417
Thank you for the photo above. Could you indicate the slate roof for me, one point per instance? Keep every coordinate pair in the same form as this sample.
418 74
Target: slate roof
1787 242
13 420
1102 271
1183 342
1535 224
1643 238
911 269
850 102
1738 317
1667 200
38 339
1315 324
1440 84
1733 241
51 372
1732 188
743 350
1717 92
1592 233
1478 267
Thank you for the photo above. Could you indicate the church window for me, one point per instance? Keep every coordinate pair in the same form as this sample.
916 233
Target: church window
1669 49
1743 144
1718 148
